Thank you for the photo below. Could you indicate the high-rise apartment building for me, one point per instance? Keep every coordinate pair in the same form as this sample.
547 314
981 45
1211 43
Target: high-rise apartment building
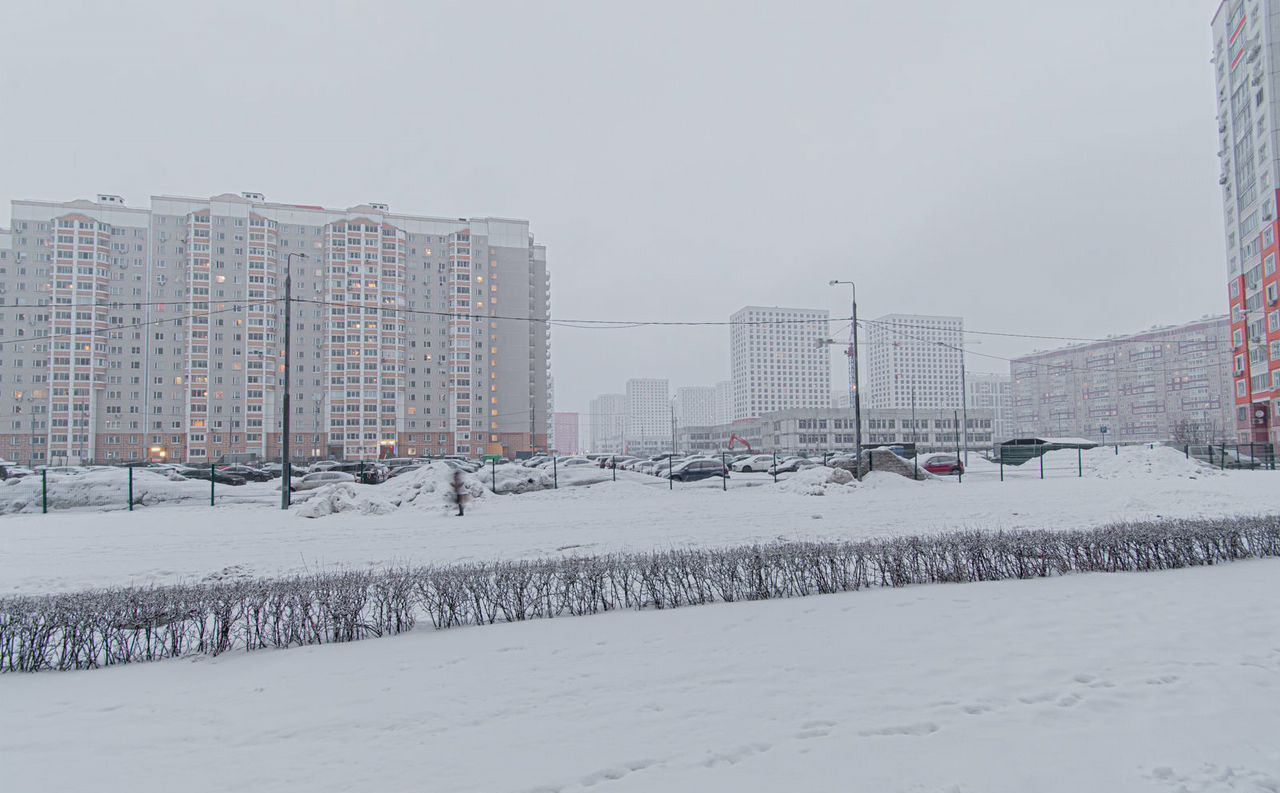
608 419
914 357
648 429
1165 384
695 405
1245 36
157 333
565 440
778 360
994 392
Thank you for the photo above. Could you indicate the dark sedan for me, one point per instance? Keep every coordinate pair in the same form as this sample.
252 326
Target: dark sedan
693 470
219 477
250 474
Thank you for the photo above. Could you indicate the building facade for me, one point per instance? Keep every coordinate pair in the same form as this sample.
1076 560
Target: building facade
607 415
1247 73
648 428
1165 384
157 333
778 360
695 405
566 438
823 430
993 391
914 357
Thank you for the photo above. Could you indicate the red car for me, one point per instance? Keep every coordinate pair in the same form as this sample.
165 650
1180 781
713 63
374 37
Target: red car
944 465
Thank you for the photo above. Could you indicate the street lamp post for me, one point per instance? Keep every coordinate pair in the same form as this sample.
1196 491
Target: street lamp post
854 393
286 474
964 397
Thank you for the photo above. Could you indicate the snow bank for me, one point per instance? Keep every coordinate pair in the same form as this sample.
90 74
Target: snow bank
1133 462
428 488
817 481
100 488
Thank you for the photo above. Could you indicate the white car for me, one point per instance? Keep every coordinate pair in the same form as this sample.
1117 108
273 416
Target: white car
322 478
754 464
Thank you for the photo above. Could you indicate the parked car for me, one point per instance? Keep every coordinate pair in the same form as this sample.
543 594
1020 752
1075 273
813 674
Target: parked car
790 465
655 465
202 472
249 474
754 463
367 473
401 470
693 470
943 465
11 471
275 469
322 478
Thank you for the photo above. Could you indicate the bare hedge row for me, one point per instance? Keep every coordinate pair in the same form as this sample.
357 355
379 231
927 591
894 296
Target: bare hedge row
85 630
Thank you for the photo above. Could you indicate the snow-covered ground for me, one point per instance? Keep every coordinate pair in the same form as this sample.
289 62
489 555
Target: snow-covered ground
1125 682
67 550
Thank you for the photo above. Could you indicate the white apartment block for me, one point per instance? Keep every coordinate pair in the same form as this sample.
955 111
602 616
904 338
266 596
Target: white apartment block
157 333
913 354
724 402
695 405
607 415
1163 384
994 392
778 361
648 429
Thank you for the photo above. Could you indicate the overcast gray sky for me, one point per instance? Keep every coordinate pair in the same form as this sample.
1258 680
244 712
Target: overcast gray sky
1032 167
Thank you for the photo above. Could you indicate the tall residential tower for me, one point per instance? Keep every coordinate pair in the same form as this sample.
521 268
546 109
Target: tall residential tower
156 333
1246 66
778 360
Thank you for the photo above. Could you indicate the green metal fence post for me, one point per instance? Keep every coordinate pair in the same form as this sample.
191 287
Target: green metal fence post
724 471
1186 450
555 472
493 470
614 466
212 474
1002 469
775 468
44 491
1080 462
1042 463
131 488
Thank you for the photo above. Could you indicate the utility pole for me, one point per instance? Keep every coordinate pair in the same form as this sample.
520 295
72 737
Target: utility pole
286 472
855 396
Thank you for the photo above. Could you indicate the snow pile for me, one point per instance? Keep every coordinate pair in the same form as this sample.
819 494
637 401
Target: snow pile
341 498
1133 462
885 480
428 488
99 488
511 478
817 481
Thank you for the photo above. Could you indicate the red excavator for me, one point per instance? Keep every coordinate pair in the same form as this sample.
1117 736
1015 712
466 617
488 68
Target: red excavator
743 441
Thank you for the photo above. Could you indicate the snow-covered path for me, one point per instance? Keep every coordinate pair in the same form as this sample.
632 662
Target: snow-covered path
72 550
1128 682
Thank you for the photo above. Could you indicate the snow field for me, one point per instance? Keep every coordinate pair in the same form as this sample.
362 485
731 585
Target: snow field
1154 682
64 551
